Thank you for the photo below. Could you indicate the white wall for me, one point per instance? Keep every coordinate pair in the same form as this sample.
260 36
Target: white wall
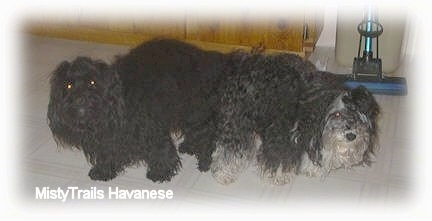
328 34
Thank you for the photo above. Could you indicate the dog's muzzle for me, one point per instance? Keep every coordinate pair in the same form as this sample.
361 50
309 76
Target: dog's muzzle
79 112
78 109
347 146
77 116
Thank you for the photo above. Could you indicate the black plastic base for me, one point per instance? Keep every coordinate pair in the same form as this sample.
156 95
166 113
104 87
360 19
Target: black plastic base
367 65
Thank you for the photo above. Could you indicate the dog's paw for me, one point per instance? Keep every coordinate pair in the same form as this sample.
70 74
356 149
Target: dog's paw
203 166
160 175
223 178
160 172
222 175
279 179
276 178
97 173
227 166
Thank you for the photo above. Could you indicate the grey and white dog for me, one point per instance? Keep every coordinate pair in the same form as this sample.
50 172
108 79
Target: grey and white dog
280 113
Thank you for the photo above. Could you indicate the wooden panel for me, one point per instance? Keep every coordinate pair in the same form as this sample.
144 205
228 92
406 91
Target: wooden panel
88 34
112 31
130 39
169 28
285 34
244 30
239 30
275 33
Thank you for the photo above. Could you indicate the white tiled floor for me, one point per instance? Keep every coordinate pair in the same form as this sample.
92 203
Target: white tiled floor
386 182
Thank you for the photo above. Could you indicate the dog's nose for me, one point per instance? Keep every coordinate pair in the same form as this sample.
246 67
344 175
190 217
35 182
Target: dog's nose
350 136
81 112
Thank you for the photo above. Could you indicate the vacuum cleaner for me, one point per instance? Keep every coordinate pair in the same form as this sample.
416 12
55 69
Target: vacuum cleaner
367 69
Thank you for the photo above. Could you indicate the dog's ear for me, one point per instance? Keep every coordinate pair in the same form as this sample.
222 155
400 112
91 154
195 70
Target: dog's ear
108 72
101 66
362 100
60 72
113 91
57 83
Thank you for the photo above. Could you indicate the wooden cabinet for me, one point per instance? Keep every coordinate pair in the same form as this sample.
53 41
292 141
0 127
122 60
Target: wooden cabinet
293 32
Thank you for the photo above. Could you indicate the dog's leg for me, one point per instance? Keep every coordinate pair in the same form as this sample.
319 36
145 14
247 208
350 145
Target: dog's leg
274 164
163 161
105 168
235 132
199 141
278 157
204 156
227 165
278 177
202 147
185 146
234 152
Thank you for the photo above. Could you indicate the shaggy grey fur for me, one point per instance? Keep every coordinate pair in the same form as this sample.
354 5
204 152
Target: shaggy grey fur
278 112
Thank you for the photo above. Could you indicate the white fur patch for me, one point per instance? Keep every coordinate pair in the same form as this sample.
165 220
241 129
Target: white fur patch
177 137
308 168
337 105
227 165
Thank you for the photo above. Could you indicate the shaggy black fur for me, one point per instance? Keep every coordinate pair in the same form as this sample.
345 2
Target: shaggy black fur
261 96
321 88
284 100
122 114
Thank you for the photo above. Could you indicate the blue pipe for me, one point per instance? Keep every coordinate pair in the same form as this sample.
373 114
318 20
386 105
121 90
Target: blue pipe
368 42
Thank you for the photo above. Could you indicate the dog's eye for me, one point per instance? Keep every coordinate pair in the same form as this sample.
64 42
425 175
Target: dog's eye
92 83
337 114
69 86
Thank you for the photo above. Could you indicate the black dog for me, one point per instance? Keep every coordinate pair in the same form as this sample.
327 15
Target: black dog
122 114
